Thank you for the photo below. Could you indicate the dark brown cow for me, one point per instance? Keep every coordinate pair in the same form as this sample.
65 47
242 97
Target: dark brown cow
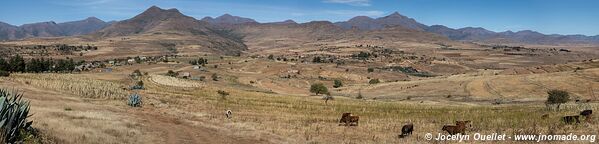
460 127
349 119
586 113
571 119
406 130
344 117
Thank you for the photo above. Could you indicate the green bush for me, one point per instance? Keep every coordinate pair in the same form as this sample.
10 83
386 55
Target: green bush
337 83
374 81
557 97
171 73
13 117
318 88
4 73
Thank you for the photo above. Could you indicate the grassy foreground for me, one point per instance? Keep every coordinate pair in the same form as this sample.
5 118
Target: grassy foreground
307 119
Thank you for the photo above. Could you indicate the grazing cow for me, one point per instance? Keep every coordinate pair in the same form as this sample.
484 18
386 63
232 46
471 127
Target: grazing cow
460 127
229 114
571 119
349 119
586 113
344 117
406 130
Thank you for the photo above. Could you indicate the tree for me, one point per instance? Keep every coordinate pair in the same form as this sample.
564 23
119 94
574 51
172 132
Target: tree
337 83
318 88
17 64
171 73
3 65
223 94
214 77
374 81
317 60
327 97
557 97
271 57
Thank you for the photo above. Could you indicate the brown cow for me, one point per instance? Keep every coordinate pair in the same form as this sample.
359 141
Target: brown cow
349 119
571 119
406 130
460 127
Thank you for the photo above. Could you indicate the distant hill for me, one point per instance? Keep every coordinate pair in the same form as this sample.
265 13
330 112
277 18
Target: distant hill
467 33
228 19
395 19
51 29
156 22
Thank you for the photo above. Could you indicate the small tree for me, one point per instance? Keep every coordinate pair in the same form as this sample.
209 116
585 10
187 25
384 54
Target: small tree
360 95
557 97
318 88
374 81
370 70
214 77
223 94
327 97
4 73
171 73
337 83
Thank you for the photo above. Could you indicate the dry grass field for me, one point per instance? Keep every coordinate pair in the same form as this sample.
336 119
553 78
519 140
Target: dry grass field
90 107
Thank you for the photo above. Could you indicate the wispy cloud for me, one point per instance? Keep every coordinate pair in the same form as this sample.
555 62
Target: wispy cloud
373 13
350 2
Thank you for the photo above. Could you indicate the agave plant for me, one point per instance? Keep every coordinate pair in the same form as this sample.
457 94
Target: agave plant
134 100
13 116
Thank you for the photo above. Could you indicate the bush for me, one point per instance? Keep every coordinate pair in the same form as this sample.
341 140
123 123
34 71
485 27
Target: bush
374 81
557 97
13 113
4 73
171 73
360 96
337 83
134 100
370 70
318 88
136 73
214 77
223 94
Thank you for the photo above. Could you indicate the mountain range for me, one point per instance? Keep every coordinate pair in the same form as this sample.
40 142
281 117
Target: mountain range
144 23
51 29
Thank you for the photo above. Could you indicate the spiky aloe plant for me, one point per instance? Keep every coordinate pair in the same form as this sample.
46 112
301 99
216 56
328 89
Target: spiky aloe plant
134 100
13 116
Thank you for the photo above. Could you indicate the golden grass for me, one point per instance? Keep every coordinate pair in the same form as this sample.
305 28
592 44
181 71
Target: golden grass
75 84
310 120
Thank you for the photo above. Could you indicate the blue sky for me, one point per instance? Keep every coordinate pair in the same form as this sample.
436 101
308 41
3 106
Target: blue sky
545 16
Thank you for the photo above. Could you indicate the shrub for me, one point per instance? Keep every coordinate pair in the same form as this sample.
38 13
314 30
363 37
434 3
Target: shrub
337 83
223 94
136 73
327 97
214 77
4 73
13 113
557 97
134 100
318 88
171 73
370 70
374 81
360 96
